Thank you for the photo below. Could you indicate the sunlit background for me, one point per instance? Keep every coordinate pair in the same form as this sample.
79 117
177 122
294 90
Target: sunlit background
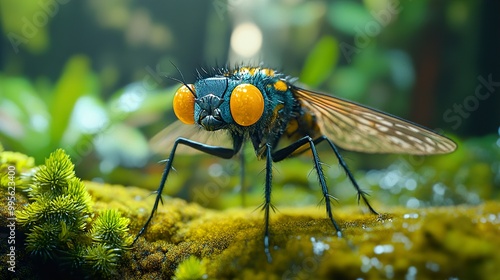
92 77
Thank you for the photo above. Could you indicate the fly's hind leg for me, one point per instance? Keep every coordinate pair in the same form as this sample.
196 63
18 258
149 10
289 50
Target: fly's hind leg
285 152
361 194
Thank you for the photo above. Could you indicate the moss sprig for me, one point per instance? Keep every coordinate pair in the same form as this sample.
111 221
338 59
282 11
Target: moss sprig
58 197
191 268
53 177
102 259
59 221
111 228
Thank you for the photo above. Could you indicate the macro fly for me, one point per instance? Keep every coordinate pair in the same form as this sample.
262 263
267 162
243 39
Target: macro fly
264 106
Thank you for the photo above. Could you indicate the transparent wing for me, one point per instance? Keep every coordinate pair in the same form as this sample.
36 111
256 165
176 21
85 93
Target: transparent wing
163 142
359 128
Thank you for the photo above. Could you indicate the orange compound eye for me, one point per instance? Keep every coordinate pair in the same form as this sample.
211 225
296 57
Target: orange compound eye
184 104
246 104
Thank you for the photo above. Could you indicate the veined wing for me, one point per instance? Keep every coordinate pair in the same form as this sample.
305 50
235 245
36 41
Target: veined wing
163 142
359 128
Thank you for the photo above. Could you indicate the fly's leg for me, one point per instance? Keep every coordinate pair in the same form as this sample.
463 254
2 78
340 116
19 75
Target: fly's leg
267 203
324 188
361 194
285 152
212 150
242 177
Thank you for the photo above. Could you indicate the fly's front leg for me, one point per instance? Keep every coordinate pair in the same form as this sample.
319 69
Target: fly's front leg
243 187
267 203
212 150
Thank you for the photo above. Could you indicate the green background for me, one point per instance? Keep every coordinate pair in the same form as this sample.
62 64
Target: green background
91 77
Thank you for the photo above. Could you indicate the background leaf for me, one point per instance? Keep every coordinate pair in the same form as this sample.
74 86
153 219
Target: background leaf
320 62
73 84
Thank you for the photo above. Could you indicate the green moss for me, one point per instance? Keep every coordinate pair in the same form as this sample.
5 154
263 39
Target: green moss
59 226
12 164
60 208
425 243
435 242
101 259
191 268
111 229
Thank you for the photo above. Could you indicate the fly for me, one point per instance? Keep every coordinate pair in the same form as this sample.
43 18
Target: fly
264 106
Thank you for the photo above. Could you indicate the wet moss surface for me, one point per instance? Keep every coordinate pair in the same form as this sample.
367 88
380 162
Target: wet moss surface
435 242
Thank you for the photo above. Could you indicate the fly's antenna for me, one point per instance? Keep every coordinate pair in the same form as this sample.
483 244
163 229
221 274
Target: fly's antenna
182 81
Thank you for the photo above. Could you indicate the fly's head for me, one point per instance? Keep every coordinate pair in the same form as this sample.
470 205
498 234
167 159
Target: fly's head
215 103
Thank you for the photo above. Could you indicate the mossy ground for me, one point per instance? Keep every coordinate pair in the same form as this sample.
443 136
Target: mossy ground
187 241
427 243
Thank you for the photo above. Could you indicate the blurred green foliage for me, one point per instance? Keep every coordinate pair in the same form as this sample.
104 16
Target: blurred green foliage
22 29
39 117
